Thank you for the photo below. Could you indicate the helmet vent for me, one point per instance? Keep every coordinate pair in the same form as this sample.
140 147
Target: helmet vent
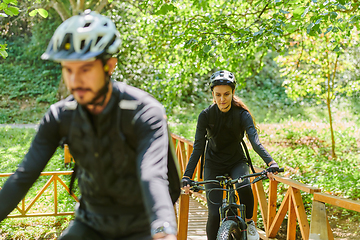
87 25
82 45
98 39
105 25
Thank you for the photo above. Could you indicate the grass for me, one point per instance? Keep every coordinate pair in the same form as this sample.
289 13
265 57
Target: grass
14 143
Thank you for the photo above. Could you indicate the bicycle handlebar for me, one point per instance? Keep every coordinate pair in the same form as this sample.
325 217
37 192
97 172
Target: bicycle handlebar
261 175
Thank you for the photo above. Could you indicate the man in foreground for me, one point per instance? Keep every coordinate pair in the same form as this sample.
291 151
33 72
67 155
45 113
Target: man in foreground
117 134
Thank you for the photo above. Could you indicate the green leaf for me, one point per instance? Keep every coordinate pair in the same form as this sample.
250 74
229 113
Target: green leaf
333 15
13 2
165 9
33 12
305 12
328 30
336 49
341 2
206 48
291 28
318 21
340 6
3 6
284 12
3 53
43 12
298 12
259 32
354 19
12 11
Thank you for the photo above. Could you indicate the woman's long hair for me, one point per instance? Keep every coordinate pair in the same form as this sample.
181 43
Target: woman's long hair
236 101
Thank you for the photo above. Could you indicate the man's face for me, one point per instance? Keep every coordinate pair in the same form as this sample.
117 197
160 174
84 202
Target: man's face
83 79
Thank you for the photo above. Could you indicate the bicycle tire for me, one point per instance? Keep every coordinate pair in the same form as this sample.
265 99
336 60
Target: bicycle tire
229 230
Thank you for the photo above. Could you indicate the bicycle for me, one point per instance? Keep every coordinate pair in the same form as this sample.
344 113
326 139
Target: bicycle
232 224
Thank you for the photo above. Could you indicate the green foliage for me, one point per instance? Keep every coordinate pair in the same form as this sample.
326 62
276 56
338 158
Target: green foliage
8 11
304 149
14 144
9 7
42 12
28 84
3 52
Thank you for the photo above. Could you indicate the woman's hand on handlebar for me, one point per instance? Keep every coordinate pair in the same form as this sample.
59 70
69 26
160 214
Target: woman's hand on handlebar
272 170
186 183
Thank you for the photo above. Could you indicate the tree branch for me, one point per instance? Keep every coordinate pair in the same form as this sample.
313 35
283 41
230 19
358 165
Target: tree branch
101 5
73 6
302 49
80 4
90 4
60 9
263 10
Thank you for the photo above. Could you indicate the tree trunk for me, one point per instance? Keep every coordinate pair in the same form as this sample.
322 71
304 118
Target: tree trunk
330 83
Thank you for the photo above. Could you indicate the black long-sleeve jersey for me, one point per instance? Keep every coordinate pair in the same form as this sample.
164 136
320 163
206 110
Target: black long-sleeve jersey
223 148
102 166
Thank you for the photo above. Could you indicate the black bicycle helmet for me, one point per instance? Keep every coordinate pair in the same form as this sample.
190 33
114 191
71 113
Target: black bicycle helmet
84 37
222 77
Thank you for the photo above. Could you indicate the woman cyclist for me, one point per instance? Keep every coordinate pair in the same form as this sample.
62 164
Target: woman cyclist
223 123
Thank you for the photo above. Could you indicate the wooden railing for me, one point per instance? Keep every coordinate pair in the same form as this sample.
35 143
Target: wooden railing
273 216
55 179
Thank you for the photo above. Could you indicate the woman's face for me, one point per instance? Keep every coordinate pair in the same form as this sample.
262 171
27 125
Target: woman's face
223 95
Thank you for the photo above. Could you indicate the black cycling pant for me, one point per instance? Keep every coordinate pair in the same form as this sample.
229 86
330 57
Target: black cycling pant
78 230
214 198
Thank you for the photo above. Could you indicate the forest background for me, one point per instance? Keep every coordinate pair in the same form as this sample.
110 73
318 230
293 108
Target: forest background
295 61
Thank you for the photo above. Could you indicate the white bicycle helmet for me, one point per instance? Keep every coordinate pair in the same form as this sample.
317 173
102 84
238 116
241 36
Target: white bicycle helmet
86 36
222 77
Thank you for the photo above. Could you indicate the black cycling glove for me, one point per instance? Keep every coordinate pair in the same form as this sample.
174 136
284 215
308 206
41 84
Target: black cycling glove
187 181
274 167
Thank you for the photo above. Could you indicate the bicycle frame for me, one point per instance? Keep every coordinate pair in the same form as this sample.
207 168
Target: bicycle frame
229 209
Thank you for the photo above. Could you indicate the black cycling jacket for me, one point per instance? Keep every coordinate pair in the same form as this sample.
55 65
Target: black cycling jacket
143 127
223 148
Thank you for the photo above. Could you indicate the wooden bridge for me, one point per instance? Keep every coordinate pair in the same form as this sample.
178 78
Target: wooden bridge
191 215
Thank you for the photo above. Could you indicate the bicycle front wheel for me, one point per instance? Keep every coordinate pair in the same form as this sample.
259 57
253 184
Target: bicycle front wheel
229 230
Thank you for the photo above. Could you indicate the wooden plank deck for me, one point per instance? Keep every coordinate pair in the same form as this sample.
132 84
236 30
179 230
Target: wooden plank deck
197 220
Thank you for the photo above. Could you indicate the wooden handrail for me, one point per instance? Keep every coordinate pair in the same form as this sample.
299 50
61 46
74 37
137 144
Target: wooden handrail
337 201
23 209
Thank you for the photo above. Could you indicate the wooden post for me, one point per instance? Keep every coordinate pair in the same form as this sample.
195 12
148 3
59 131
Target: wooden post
262 202
55 195
67 155
183 216
300 213
318 226
271 204
291 225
